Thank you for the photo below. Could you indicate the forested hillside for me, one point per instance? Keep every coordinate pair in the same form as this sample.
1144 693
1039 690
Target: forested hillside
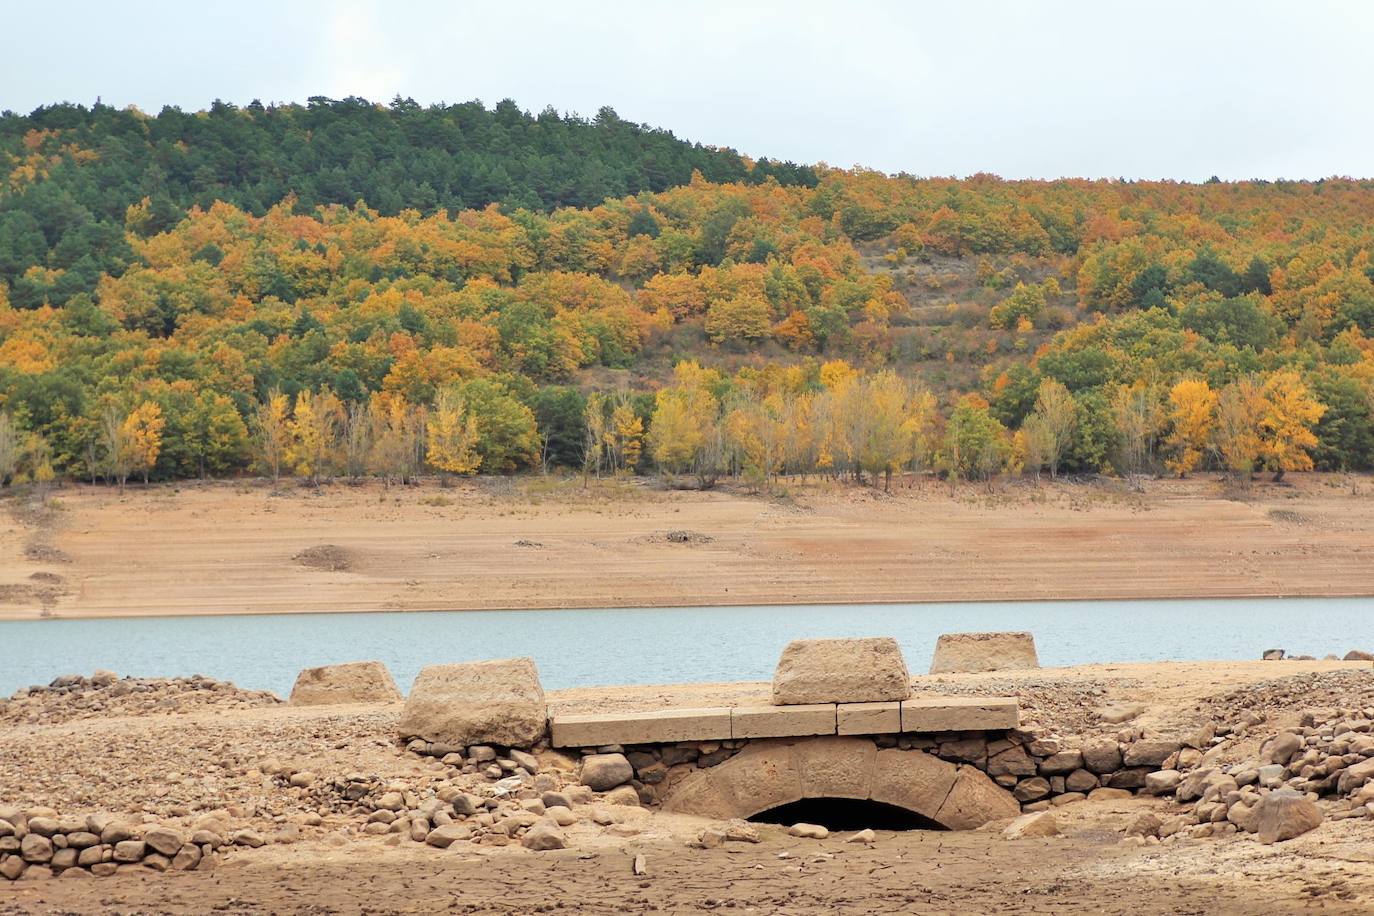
304 301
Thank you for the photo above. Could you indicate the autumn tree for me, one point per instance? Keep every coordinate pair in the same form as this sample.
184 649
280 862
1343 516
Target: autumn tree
116 452
1236 433
624 435
218 438
9 449
975 443
142 435
685 434
595 425
1289 415
272 431
451 436
397 437
1191 415
314 433
1138 413
1058 413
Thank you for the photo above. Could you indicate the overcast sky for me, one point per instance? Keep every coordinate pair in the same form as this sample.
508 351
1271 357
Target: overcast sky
1158 89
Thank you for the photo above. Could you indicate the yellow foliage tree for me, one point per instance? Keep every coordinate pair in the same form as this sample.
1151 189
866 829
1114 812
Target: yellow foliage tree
1192 405
314 429
451 436
1286 424
1236 436
271 428
143 436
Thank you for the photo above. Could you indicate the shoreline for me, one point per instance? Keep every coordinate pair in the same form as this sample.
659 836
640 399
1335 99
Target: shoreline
9 617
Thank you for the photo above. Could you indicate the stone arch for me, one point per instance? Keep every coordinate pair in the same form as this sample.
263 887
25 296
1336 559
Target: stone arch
767 774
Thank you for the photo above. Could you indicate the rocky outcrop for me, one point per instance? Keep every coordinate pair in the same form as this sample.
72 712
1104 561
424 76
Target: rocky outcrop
972 652
354 682
492 702
841 671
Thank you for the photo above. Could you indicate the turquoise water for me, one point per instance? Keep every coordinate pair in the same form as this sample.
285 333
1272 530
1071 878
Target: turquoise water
660 646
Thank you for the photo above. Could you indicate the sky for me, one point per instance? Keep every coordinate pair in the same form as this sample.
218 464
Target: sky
1160 89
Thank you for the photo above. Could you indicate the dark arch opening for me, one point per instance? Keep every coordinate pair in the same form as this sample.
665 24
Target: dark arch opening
846 814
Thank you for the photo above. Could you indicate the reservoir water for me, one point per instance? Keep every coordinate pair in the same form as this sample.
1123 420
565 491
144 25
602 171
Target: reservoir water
576 648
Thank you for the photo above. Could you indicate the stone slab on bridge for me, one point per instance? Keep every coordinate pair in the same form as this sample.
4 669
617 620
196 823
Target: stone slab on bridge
721 723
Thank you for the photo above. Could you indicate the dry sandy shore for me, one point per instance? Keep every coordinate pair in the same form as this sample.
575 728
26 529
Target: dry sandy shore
180 761
245 548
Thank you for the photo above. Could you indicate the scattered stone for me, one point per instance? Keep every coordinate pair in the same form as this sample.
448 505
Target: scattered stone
808 831
865 836
544 835
1031 825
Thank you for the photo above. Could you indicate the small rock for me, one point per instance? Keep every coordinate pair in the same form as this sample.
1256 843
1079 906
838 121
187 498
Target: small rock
164 840
601 772
444 837
1162 782
738 831
1041 824
543 836
865 836
808 831
1144 824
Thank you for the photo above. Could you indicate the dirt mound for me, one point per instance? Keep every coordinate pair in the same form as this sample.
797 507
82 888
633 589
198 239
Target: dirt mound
325 557
102 695
39 552
683 537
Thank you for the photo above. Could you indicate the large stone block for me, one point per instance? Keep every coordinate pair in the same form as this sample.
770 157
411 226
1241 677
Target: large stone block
701 794
782 721
960 714
354 682
710 723
836 767
491 702
841 671
962 652
912 779
973 800
868 718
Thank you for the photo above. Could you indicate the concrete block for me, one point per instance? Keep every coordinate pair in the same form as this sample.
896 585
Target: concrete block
869 718
958 714
658 727
782 721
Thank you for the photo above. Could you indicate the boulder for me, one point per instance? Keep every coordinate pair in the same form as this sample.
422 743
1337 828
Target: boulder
544 835
1272 655
1101 755
164 840
601 772
1355 655
1149 752
841 671
444 837
1040 824
961 652
808 831
1284 814
1353 777
1280 748
492 702
1162 782
355 682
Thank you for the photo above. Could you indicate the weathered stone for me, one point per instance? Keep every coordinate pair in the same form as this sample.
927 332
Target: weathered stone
1355 776
914 780
491 702
866 836
1040 824
1117 713
1028 790
1061 763
1284 814
841 671
782 721
1101 755
741 831
187 858
657 727
1129 778
164 840
1146 823
129 850
444 837
1149 752
1356 655
1280 748
836 767
764 775
808 831
11 867
868 718
623 795
1081 781
601 772
1109 794
972 652
81 839
1162 782
973 800
1013 761
36 848
354 682
954 714
563 817
1272 655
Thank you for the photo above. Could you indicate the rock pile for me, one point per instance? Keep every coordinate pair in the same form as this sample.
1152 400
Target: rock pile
103 694
38 843
492 761
1328 756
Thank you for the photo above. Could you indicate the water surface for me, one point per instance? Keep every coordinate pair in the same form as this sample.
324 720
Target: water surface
575 648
